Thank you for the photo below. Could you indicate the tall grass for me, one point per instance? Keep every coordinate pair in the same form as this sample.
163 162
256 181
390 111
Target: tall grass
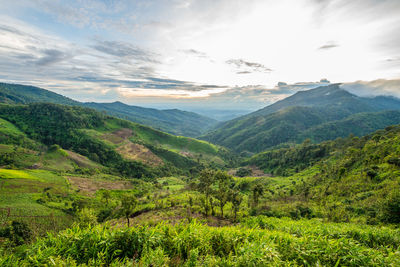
195 244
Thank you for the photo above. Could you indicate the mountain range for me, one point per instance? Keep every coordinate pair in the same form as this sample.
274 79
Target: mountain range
173 121
323 113
319 114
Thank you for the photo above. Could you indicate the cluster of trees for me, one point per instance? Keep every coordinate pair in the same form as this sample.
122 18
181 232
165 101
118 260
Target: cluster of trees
219 188
290 160
287 161
358 178
106 207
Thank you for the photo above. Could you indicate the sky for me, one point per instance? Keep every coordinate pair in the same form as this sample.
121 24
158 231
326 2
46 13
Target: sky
217 54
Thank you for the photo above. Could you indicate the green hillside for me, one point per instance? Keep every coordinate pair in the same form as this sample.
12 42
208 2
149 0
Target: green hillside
319 114
342 209
346 179
331 96
337 204
131 148
24 94
81 188
173 121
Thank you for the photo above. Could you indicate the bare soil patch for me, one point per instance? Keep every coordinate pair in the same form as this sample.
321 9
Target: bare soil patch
255 172
186 154
132 151
90 186
80 160
119 136
139 152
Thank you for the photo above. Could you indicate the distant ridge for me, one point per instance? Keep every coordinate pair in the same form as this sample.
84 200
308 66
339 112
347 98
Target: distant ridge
173 121
323 113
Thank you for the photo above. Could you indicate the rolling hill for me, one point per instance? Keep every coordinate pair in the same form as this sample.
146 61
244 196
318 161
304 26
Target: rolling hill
320 114
129 148
173 121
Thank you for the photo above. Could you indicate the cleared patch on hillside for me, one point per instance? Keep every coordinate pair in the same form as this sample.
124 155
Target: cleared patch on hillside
119 136
186 154
81 161
255 172
139 152
90 186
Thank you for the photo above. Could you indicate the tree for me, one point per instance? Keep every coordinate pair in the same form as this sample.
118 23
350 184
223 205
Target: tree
236 199
224 181
242 172
391 208
206 180
128 204
106 195
258 191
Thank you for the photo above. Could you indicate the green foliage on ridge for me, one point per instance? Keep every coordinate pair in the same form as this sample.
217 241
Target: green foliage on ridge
82 129
320 114
174 121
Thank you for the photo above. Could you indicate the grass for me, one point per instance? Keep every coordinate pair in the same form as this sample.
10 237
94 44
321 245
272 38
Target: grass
19 191
168 141
9 128
10 134
172 183
15 174
196 244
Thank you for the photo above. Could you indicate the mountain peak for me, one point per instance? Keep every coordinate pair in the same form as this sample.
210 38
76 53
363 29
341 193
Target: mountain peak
321 96
323 91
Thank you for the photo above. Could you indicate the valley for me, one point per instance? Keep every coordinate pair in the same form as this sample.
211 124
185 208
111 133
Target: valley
312 180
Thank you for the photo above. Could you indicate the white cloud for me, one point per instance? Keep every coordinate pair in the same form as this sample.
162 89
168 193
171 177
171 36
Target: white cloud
175 48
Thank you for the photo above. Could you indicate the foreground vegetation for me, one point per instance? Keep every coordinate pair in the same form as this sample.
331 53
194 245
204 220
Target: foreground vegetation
79 188
265 242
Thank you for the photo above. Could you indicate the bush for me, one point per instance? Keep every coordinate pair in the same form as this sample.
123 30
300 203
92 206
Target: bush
87 217
391 209
242 172
17 232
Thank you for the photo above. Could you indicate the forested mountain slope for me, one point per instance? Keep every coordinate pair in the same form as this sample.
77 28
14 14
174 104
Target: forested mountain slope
129 148
320 114
173 121
23 94
342 179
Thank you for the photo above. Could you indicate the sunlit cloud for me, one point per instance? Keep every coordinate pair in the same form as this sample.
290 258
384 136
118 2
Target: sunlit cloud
224 52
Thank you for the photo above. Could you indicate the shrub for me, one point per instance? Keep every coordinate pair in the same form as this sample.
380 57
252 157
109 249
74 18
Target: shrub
391 208
87 217
242 172
17 232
